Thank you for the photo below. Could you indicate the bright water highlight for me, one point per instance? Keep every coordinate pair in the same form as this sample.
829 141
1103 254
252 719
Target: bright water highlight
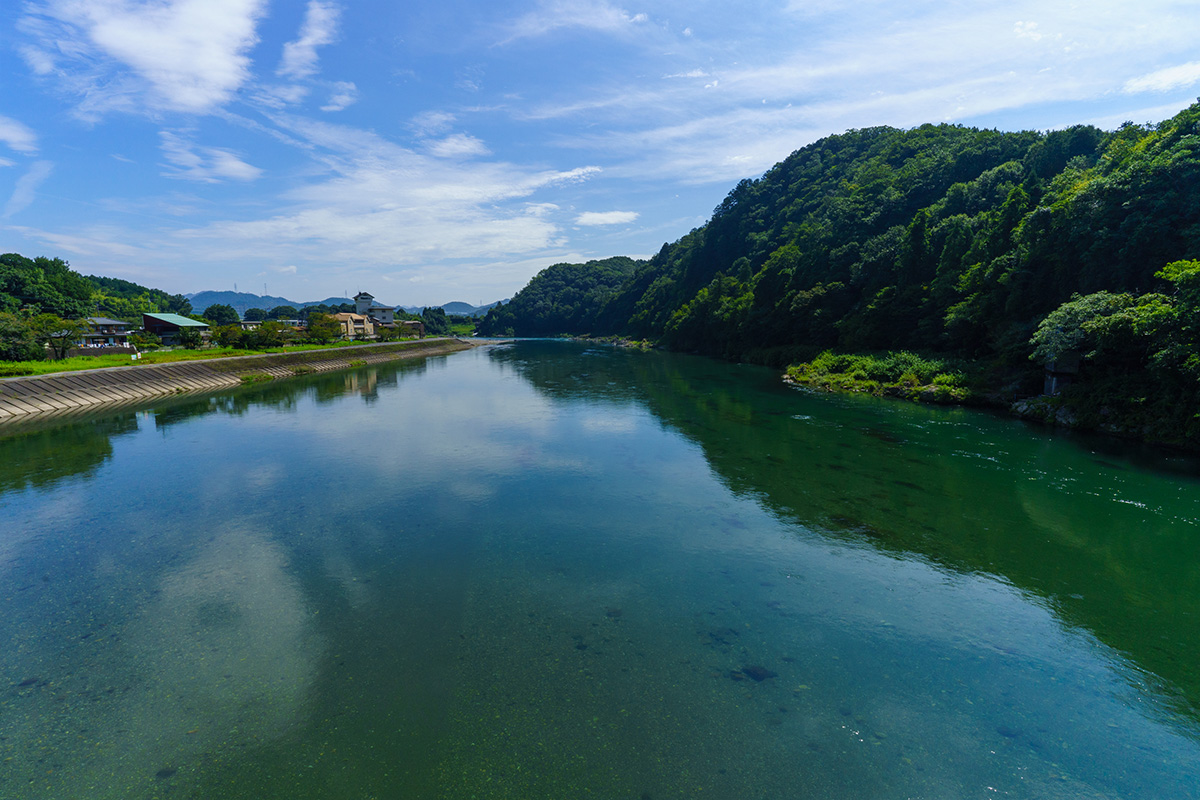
548 570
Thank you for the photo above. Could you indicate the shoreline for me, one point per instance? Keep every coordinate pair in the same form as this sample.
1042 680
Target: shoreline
62 393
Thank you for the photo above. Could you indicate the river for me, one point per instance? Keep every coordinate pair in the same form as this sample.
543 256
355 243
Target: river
554 570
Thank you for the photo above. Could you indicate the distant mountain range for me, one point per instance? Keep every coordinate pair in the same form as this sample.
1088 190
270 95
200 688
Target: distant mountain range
241 301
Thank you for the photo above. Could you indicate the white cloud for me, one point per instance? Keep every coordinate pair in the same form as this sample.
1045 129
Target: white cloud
17 135
279 97
459 145
385 205
695 73
432 123
204 164
26 187
553 15
344 94
590 218
1028 30
320 28
181 55
1165 80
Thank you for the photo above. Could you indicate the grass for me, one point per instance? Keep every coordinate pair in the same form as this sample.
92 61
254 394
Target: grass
894 374
16 368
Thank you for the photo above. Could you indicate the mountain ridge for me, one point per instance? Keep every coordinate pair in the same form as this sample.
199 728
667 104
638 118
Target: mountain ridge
241 301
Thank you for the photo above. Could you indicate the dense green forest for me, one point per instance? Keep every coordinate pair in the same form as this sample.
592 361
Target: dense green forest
562 298
950 242
49 285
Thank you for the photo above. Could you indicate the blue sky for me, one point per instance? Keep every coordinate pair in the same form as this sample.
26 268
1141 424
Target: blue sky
437 151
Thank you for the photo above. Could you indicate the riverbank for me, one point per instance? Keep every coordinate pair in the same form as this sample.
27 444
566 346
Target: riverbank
70 392
1097 407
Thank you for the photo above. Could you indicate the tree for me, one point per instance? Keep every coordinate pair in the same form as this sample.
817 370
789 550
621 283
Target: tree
228 335
221 314
282 312
1068 327
17 341
254 315
59 334
191 338
322 328
43 284
435 321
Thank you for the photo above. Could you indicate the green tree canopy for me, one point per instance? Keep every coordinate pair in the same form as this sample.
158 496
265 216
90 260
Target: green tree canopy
282 312
221 314
323 328
17 340
59 334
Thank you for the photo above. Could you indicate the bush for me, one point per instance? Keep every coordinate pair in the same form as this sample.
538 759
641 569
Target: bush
897 374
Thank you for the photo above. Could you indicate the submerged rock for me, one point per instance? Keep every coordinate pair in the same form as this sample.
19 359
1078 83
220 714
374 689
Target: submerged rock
754 672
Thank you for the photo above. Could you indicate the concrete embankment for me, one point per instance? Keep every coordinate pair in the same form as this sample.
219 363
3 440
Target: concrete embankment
66 392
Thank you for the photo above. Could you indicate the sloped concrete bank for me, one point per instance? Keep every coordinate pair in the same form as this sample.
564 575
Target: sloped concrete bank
67 392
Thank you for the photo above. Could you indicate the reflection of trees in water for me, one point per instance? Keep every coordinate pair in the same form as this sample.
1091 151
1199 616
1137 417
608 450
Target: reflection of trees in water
915 480
38 458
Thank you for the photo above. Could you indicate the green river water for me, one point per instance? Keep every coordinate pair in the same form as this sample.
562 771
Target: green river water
551 570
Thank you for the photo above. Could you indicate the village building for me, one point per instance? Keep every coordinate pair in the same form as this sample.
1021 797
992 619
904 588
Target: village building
355 326
411 327
168 326
106 332
364 304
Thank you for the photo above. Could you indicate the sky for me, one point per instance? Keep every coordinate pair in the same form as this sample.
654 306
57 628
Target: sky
429 152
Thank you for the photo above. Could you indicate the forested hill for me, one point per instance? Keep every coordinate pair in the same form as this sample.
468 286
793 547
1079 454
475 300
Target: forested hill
562 298
940 238
944 240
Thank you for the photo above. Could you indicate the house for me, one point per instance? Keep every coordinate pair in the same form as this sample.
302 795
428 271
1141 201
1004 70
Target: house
364 304
106 333
355 326
411 327
168 326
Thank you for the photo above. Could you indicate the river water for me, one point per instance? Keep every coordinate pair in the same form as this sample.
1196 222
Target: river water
550 570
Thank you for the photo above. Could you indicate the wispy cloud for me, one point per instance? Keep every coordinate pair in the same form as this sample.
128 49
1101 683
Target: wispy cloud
387 205
1165 80
432 123
204 164
319 29
26 188
182 55
590 218
459 145
17 135
344 95
553 15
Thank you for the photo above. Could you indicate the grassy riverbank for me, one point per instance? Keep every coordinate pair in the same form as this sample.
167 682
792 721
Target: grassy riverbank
9 369
899 374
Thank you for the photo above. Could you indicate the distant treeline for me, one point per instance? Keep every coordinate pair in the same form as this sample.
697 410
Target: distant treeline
942 240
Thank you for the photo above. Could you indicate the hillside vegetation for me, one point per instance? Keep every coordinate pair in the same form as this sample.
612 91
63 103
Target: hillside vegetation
562 298
950 242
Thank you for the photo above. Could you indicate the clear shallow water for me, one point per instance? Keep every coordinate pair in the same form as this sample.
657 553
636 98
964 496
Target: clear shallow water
548 570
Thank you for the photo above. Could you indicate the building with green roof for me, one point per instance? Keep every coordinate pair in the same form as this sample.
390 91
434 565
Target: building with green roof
168 326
